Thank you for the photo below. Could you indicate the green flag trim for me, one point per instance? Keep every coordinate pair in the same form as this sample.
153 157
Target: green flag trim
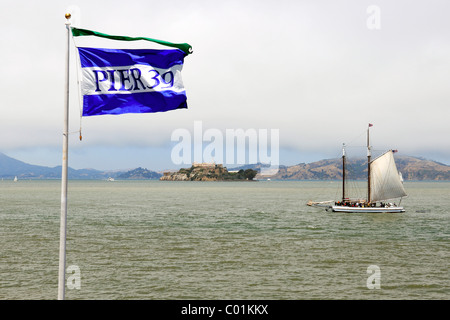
185 47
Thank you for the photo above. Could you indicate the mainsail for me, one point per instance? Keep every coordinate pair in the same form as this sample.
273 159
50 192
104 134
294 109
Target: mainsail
385 180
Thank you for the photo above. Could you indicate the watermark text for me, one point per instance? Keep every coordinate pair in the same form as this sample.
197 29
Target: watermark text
235 147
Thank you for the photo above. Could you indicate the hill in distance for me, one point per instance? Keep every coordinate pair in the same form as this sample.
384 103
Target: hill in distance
10 167
412 168
139 174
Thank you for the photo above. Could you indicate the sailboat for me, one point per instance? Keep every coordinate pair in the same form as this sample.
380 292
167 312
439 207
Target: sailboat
384 184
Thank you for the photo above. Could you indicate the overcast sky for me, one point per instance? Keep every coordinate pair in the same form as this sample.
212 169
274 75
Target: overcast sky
318 71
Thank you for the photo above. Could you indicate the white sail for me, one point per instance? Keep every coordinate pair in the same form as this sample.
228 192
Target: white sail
385 180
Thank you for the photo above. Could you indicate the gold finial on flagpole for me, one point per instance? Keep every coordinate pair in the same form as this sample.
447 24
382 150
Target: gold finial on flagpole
68 16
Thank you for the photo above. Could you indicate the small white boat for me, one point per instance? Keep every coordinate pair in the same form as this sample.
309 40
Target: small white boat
319 203
15 179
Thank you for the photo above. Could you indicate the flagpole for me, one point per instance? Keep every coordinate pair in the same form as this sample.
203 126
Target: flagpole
63 221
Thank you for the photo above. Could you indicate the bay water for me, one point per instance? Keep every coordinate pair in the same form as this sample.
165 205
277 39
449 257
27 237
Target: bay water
161 240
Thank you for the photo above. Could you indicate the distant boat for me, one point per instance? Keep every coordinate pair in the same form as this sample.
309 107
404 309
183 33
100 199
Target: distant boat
15 179
110 179
384 184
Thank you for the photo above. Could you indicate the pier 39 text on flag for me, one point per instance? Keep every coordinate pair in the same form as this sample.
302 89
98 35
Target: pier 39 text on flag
117 81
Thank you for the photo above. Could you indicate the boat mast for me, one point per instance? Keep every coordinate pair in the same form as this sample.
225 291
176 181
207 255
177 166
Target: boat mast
343 172
369 154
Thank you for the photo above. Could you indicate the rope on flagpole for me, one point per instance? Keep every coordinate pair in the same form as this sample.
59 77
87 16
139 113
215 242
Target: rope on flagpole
80 98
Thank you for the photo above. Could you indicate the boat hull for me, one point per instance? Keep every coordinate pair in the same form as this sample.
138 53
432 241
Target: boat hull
367 209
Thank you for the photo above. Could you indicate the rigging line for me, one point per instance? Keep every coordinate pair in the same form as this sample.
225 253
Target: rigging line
363 133
338 191
357 146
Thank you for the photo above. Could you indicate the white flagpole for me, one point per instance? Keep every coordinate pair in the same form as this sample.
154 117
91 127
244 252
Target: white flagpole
63 222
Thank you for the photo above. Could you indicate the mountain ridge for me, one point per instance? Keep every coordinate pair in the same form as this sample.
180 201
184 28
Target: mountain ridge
412 168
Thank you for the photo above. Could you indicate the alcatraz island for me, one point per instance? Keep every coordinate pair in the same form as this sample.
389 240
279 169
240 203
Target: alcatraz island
209 172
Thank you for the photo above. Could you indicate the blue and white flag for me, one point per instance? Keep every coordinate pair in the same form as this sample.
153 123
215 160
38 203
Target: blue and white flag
117 81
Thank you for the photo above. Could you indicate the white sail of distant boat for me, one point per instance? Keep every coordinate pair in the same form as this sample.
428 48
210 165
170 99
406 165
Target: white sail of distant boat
15 179
384 183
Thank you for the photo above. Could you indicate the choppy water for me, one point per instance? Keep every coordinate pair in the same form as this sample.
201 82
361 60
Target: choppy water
214 240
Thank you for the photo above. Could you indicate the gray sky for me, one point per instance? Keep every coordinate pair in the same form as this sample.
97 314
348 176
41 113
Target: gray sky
312 69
